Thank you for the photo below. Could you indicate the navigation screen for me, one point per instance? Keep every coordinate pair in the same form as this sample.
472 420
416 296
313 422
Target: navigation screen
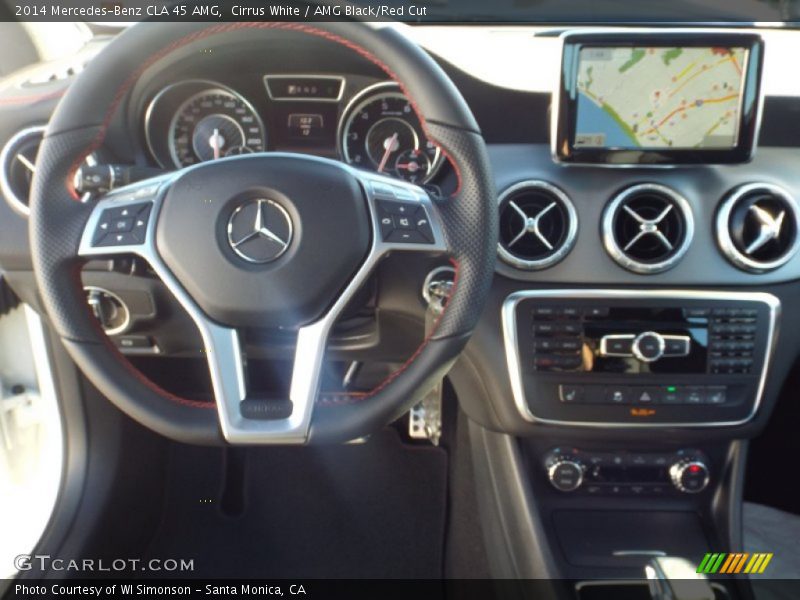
659 97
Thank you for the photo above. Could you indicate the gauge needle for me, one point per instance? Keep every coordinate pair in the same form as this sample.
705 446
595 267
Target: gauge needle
216 141
389 146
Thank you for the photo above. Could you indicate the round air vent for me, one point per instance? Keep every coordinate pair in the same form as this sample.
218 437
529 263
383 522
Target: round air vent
758 227
647 228
538 225
17 165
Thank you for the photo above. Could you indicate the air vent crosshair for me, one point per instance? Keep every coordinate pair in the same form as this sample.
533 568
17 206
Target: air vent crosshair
538 225
647 228
17 165
758 227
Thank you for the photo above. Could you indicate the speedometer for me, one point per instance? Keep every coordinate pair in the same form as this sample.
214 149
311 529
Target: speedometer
380 131
214 123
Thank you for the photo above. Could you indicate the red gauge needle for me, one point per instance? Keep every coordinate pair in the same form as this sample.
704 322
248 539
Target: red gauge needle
389 146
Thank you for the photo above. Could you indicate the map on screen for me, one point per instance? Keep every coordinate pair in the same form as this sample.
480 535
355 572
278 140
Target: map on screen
659 98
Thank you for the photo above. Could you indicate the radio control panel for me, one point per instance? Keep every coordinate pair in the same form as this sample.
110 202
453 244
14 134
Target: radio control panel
636 358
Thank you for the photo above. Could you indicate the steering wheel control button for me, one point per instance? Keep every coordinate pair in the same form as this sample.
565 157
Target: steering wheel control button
423 224
648 346
404 223
122 225
402 209
406 237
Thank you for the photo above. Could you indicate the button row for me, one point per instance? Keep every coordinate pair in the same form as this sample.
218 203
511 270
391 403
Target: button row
563 328
404 222
720 313
387 191
622 345
642 395
617 459
122 225
548 344
569 312
627 489
558 362
731 366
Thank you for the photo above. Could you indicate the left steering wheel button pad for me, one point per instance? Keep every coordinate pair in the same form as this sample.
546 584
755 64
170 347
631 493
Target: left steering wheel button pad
123 225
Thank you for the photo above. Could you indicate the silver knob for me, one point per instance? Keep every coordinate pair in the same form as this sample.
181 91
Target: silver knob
648 346
689 475
565 475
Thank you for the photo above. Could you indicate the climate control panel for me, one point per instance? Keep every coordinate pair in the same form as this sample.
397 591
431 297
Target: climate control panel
625 473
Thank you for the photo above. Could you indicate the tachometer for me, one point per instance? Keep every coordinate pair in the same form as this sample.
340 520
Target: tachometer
380 131
214 123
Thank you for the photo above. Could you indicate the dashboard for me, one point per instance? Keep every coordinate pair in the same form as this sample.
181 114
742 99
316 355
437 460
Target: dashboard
643 311
656 221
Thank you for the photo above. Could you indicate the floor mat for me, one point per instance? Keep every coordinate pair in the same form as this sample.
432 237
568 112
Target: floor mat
370 510
768 529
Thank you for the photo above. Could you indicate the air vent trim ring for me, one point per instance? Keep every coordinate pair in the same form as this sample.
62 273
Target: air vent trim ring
726 243
618 254
15 141
572 226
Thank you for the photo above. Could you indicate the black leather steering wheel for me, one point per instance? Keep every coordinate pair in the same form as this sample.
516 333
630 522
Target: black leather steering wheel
303 269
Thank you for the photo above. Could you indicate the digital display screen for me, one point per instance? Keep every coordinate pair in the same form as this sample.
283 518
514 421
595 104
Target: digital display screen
659 98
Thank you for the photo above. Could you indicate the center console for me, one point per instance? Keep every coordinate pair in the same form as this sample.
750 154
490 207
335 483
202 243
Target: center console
600 358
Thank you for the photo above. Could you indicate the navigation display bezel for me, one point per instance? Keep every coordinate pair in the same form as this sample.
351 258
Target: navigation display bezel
564 117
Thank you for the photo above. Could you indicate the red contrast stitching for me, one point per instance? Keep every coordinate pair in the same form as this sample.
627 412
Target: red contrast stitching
223 28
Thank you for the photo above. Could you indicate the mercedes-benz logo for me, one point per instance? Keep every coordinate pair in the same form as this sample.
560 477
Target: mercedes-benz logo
260 231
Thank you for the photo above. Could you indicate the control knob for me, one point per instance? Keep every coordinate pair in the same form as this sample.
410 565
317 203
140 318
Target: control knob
689 475
648 346
566 475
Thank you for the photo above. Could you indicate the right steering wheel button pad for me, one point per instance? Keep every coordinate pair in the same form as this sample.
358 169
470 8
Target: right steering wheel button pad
404 222
123 225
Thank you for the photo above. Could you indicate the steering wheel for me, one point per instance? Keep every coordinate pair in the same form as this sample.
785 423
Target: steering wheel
268 240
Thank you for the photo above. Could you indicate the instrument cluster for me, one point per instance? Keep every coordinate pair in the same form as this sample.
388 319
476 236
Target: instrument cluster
371 127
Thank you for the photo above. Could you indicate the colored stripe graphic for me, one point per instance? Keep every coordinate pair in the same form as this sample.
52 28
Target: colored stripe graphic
715 562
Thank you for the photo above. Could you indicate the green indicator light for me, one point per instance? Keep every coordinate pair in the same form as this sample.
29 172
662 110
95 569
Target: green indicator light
671 388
